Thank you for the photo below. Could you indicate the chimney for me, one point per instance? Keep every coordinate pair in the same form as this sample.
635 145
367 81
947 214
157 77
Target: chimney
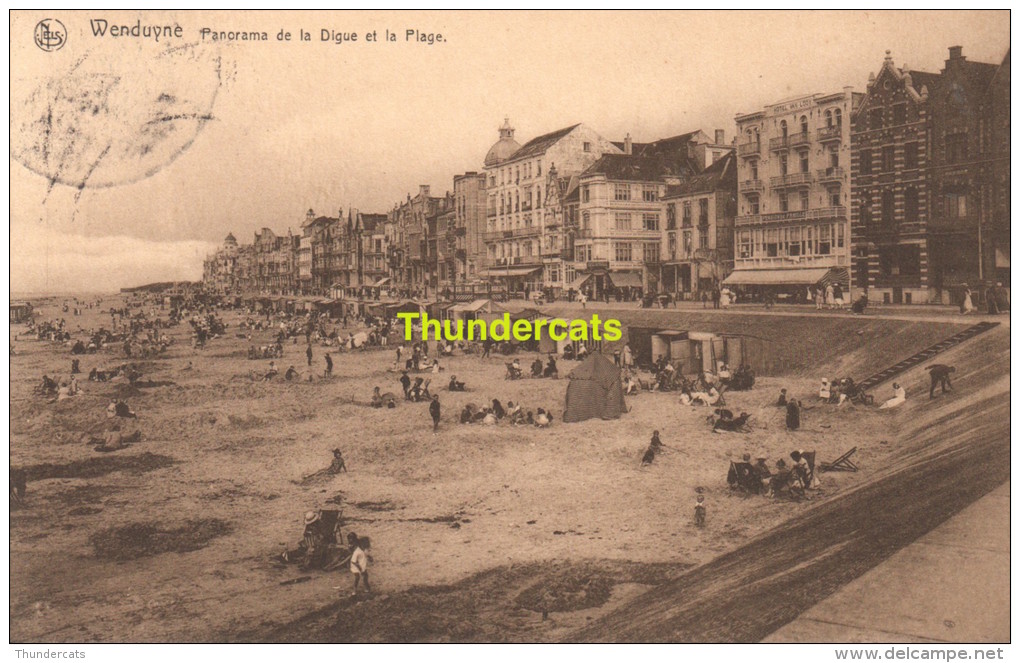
720 136
628 148
956 53
423 190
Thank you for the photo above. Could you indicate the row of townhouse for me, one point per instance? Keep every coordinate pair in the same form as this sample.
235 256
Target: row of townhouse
901 190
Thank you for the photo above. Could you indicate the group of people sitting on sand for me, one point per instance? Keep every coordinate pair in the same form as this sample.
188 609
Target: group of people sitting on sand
514 371
513 414
841 390
415 391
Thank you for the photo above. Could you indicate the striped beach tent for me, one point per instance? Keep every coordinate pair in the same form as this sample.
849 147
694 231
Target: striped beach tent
595 390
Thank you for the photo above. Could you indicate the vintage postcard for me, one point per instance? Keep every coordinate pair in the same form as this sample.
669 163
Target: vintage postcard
511 327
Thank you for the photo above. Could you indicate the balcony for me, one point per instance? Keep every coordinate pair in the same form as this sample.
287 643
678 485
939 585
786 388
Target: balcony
551 252
750 186
525 207
803 138
831 174
779 144
763 262
817 214
491 213
749 149
527 231
791 180
830 134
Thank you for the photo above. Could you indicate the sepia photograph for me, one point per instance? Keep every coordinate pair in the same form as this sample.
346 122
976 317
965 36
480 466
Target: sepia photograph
665 327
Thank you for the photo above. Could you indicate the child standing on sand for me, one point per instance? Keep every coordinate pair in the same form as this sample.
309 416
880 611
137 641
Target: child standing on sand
699 511
359 563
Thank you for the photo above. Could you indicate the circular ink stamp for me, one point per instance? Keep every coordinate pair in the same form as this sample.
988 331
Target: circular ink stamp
117 117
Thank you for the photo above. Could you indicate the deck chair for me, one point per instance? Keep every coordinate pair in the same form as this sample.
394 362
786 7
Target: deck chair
841 464
786 482
743 476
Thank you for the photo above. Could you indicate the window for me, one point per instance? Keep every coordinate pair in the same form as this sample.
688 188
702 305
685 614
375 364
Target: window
621 191
888 158
833 157
650 221
585 194
755 205
703 238
744 243
803 124
584 220
703 212
538 197
838 115
671 216
794 248
888 207
824 239
554 273
865 162
828 118
834 197
688 247
910 155
650 194
804 200
956 147
587 146
671 238
783 128
623 251
539 168
910 205
687 214
783 164
875 118
754 169
956 205
803 161
652 250
864 214
772 242
899 114
784 203
622 221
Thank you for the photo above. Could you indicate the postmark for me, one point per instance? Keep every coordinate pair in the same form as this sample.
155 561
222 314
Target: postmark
110 122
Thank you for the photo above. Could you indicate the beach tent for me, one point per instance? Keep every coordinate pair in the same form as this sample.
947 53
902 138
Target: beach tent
594 391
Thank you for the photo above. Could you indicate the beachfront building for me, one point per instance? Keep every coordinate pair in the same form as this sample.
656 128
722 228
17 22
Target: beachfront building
618 244
793 194
697 252
219 270
931 168
406 228
517 178
276 262
469 227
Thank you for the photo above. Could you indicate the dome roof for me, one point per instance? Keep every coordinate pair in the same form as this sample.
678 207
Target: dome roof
504 147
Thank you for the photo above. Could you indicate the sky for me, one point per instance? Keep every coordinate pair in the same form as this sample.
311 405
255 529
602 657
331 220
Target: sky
131 159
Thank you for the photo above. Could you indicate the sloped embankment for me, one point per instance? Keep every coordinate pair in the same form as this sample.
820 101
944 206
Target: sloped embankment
956 449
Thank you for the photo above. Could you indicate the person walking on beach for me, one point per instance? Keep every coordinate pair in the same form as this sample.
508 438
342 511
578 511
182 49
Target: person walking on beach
308 353
329 365
434 411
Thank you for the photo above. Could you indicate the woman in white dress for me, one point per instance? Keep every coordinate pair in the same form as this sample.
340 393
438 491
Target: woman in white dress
968 304
899 398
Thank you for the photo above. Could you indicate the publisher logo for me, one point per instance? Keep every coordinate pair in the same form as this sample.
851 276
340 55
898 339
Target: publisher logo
50 35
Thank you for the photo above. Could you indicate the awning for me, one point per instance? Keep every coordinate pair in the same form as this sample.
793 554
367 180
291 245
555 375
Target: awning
809 276
381 282
836 275
519 270
625 279
471 307
578 282
1001 259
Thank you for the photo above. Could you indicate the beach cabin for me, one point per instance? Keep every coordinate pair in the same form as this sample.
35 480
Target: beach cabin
21 311
479 309
546 344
